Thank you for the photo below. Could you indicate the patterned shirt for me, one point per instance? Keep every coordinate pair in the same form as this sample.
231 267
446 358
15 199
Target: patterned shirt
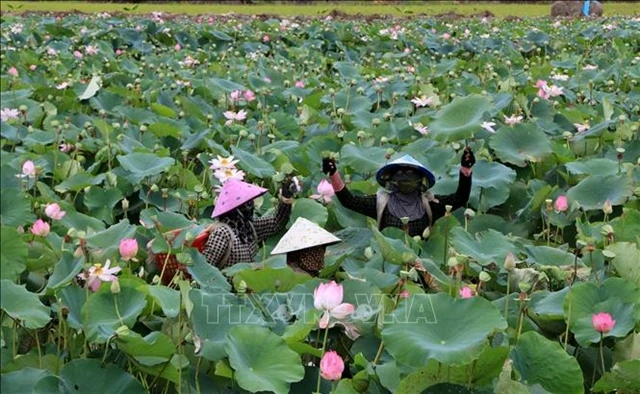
220 239
366 205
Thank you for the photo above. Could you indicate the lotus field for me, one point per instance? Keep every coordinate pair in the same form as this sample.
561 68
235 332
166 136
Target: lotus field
109 128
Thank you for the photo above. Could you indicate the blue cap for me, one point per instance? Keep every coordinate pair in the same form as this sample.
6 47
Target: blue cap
385 173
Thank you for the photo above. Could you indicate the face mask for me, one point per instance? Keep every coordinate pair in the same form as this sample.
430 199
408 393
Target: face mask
246 210
406 181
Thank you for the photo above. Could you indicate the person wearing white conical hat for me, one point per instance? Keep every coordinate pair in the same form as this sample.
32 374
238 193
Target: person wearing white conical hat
305 244
405 201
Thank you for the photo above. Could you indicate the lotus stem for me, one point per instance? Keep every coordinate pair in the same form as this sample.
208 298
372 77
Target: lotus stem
602 352
506 303
324 343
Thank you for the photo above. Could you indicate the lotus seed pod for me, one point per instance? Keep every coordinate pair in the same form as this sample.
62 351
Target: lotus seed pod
452 262
123 331
608 254
607 230
580 243
469 213
448 208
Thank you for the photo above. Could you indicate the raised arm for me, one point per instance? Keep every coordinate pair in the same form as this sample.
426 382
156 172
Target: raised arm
461 196
365 205
268 225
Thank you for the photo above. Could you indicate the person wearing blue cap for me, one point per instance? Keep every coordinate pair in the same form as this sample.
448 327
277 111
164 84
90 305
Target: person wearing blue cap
406 201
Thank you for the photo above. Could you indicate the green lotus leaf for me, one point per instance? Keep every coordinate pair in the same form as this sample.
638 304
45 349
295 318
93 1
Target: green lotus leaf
214 313
521 144
624 377
23 381
100 202
593 191
362 160
460 118
541 361
615 296
262 360
169 299
626 261
253 164
142 165
15 209
65 270
309 209
85 375
13 254
593 166
104 312
486 248
436 326
22 305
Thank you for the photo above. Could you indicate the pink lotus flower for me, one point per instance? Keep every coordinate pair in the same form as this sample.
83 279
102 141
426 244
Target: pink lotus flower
300 84
28 169
223 162
446 36
52 52
65 148
466 292
13 72
249 95
327 297
54 211
91 50
128 248
234 116
325 191
118 52
266 38
603 322
512 120
561 204
331 366
63 85
235 95
404 294
8 114
422 101
177 47
267 79
77 54
98 274
40 228
33 67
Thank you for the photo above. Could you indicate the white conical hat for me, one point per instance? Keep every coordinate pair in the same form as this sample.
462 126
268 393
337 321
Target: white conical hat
302 235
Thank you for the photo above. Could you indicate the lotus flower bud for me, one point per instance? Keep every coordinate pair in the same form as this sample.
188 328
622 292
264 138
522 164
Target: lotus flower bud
115 286
484 276
448 208
417 238
426 233
123 331
510 262
607 207
368 252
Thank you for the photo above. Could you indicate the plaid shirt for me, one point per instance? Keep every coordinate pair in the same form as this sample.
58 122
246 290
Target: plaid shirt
219 240
366 205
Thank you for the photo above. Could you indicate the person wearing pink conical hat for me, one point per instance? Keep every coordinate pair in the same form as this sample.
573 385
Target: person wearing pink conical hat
305 245
236 240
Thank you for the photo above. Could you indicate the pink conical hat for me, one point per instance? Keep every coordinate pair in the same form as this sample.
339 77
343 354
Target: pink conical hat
235 193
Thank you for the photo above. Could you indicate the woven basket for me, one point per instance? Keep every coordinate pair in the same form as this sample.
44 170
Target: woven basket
173 266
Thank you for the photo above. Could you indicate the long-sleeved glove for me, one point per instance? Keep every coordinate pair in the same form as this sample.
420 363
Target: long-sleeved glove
468 159
329 166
